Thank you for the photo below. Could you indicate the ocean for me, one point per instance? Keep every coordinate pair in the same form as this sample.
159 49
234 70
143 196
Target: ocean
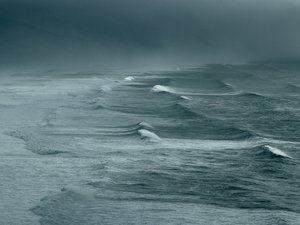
214 145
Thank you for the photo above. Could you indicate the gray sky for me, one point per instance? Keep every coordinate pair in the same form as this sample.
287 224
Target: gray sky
115 32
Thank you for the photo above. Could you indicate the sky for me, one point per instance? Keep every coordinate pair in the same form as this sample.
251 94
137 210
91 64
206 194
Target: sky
139 32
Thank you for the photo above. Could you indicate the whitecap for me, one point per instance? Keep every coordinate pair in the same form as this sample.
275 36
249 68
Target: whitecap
276 151
185 97
146 134
160 88
129 78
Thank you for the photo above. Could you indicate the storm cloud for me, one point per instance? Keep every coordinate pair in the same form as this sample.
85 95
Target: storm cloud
40 32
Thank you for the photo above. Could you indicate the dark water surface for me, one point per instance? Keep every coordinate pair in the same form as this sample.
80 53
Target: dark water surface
218 144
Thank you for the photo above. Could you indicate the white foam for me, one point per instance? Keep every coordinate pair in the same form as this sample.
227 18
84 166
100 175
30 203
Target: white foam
146 134
160 88
185 97
129 78
276 151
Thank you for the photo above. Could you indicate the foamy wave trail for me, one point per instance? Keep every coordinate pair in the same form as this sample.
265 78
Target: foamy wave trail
58 208
160 88
35 145
276 151
146 134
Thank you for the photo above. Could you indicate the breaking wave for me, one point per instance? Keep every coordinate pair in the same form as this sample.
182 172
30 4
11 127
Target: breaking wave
276 151
151 136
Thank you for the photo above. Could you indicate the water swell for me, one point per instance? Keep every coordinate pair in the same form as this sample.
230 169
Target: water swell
196 185
142 129
196 154
205 128
223 86
183 110
55 209
292 88
250 95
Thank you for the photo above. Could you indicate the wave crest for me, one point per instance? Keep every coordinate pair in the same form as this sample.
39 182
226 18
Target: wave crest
146 134
160 88
276 151
129 78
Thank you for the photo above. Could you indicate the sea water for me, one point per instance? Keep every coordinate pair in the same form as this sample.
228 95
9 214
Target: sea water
218 144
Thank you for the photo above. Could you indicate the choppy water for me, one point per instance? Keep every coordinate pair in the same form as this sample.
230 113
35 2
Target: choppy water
213 145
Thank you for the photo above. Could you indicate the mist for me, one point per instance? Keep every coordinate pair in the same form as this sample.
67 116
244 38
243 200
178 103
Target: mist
138 32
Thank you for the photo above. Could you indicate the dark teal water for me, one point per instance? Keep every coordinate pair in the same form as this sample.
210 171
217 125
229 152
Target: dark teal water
218 144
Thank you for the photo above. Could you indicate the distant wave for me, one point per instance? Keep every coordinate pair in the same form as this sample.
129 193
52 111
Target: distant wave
221 85
184 110
250 95
145 125
293 88
170 90
40 145
128 130
129 78
142 129
234 133
205 128
138 85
